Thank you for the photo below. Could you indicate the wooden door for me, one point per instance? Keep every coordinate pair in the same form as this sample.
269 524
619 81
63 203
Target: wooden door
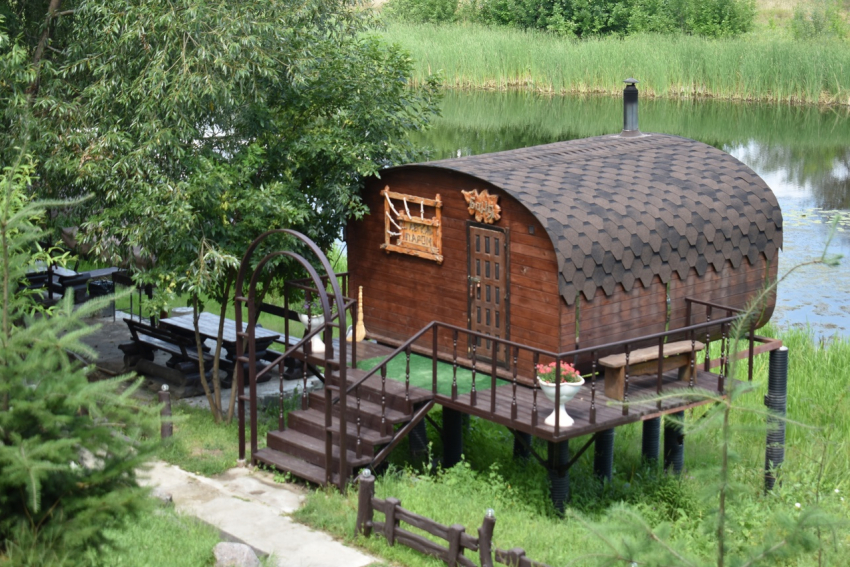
488 284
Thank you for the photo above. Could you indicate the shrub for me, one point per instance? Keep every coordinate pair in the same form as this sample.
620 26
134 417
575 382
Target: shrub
585 18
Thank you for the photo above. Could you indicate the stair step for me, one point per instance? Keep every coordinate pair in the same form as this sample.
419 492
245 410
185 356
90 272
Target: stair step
312 422
370 412
300 468
394 389
310 449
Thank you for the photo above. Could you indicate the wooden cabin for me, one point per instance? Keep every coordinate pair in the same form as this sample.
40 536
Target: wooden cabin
565 245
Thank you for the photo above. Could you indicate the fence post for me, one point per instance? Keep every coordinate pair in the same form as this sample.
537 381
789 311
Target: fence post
364 503
391 523
166 427
776 400
485 539
453 537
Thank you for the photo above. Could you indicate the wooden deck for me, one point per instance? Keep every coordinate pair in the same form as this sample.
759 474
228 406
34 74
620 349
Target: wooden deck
609 413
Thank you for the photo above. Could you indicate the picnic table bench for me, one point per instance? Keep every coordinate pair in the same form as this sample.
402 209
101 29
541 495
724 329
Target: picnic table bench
645 361
147 339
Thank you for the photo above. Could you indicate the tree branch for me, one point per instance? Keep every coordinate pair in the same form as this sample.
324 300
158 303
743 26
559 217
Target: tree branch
42 44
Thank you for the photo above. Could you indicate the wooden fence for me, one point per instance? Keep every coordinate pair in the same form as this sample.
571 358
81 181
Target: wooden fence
457 540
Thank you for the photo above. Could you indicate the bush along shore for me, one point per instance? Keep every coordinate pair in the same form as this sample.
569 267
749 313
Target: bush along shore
753 67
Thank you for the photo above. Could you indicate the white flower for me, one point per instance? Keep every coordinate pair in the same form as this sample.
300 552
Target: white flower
837 491
797 505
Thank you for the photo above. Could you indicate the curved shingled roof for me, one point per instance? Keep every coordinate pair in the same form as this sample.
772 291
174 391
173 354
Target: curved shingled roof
620 210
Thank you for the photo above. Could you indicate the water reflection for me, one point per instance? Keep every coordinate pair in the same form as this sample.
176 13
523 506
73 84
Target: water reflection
803 153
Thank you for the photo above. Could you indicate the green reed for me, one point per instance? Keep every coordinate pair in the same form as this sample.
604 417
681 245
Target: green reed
752 67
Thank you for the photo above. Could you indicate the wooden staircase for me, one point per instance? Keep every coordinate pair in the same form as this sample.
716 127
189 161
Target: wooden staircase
300 448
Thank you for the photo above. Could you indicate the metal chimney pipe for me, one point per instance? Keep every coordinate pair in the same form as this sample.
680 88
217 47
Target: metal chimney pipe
630 108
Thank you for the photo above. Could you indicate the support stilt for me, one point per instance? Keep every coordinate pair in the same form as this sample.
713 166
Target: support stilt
559 480
522 442
452 437
603 455
651 441
674 442
776 401
418 440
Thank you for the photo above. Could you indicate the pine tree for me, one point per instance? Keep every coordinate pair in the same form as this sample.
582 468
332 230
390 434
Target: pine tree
69 448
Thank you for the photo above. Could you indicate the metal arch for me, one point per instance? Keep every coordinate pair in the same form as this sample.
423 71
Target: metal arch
341 310
251 329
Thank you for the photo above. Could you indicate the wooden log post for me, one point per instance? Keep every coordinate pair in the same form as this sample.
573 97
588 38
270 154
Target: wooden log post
485 539
455 549
365 510
513 557
391 522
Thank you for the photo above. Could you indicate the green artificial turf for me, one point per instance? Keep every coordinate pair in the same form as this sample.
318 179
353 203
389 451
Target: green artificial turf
421 374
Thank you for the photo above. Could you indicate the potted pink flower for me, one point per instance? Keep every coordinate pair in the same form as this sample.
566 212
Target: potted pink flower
571 383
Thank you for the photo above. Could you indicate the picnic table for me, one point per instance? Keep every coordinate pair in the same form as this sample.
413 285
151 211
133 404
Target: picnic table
208 328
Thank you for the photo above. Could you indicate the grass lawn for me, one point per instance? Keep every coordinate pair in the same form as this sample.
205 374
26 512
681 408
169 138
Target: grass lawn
814 475
158 538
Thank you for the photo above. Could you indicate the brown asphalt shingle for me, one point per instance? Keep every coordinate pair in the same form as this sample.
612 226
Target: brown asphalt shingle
622 210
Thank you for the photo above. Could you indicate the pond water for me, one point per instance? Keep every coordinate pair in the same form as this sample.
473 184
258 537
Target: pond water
803 153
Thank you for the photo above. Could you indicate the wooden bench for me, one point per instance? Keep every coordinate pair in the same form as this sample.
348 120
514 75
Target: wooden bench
148 339
645 361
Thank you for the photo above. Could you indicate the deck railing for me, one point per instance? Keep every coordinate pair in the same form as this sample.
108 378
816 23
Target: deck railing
518 368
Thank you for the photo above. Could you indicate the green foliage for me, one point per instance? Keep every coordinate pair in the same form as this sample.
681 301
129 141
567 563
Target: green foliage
69 449
820 19
588 18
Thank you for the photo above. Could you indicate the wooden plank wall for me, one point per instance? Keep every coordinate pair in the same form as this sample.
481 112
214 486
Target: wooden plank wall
402 293
642 311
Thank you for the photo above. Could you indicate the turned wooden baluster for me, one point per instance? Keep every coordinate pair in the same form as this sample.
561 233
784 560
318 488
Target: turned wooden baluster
280 421
358 448
473 395
407 376
305 401
493 362
384 399
513 384
454 365
626 382
534 387
693 360
594 357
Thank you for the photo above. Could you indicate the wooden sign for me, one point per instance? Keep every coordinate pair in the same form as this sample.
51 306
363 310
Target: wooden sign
484 206
408 233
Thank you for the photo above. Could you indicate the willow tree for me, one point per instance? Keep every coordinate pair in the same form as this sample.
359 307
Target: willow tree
198 124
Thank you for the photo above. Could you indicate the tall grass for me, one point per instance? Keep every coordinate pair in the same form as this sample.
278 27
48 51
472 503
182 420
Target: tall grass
818 395
752 67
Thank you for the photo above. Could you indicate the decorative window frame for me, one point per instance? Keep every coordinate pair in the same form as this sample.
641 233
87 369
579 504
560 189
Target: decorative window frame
397 223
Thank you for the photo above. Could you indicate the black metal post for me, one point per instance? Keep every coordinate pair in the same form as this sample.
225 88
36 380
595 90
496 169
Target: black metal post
452 437
776 401
674 442
651 441
166 427
559 477
522 443
603 455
